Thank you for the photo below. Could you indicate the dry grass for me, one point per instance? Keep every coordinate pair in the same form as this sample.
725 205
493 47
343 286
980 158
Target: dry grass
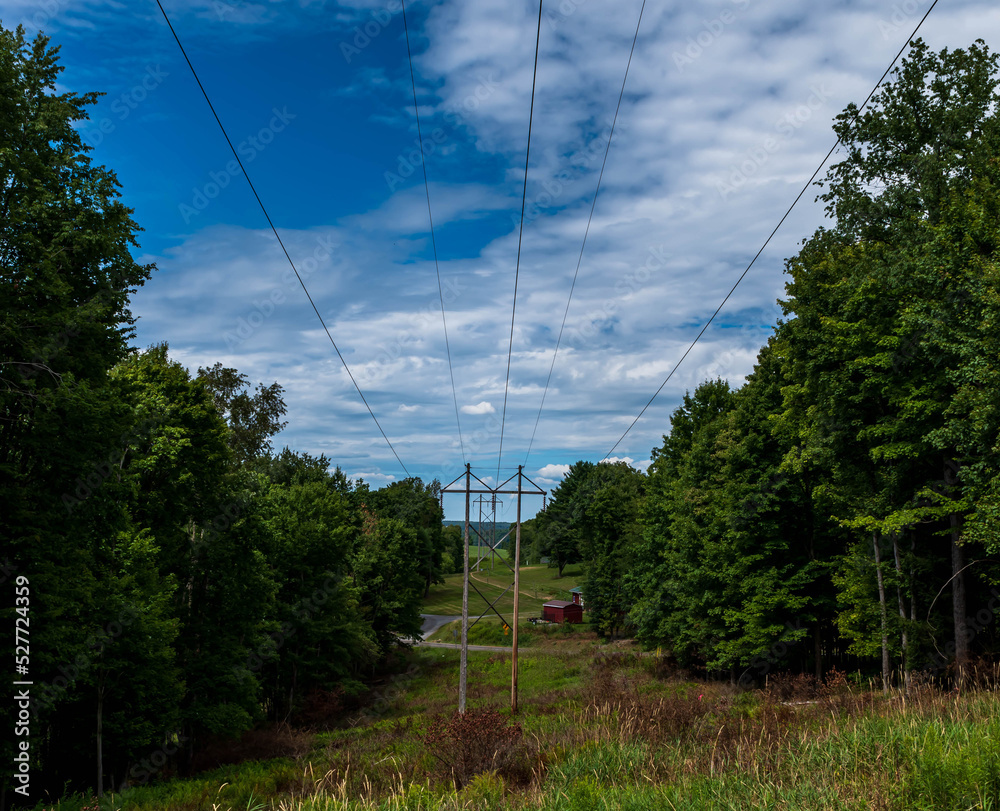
623 731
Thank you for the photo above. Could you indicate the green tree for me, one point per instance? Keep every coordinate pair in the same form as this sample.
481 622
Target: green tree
880 302
252 418
389 587
417 506
559 526
609 533
66 273
318 640
677 601
209 521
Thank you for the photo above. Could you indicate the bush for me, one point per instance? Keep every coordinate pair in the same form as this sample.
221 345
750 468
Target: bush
477 741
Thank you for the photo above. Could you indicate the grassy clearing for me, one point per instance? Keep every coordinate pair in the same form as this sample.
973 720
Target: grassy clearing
617 732
447 599
537 584
489 631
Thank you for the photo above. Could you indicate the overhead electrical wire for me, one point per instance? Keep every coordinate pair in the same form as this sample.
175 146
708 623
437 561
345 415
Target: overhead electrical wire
520 234
586 232
277 236
430 217
771 235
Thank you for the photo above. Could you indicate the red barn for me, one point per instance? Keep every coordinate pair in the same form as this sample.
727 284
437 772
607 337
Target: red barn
562 611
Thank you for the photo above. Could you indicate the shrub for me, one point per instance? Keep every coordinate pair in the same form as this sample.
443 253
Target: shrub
477 741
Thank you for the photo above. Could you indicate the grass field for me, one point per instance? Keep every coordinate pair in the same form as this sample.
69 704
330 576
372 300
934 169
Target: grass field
537 584
490 631
612 733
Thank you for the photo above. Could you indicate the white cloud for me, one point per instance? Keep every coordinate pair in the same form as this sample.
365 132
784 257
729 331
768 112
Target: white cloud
553 472
706 157
480 408
373 478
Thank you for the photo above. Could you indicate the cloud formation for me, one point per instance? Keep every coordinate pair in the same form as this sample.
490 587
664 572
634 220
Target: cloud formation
727 112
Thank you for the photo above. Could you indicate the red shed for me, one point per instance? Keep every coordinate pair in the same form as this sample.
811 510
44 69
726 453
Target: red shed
562 611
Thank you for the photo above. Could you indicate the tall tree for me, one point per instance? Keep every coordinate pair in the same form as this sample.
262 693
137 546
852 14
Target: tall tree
253 418
870 296
609 532
66 272
417 506
675 590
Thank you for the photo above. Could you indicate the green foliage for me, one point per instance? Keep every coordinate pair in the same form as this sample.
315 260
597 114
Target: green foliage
828 496
593 517
66 272
252 419
417 506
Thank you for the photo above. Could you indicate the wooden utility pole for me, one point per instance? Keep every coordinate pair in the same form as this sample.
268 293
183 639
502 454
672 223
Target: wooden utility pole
517 571
463 674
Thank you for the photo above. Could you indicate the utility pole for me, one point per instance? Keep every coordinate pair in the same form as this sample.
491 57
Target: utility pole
517 571
463 673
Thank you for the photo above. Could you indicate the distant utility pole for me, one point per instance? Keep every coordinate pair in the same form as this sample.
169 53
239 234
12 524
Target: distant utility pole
487 529
468 490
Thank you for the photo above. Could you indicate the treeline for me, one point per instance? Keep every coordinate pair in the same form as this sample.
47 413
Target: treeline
180 581
842 507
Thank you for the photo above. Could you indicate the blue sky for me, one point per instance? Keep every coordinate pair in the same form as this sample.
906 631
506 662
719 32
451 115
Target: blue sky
727 111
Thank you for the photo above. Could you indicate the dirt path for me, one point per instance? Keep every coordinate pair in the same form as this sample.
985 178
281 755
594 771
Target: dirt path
434 621
458 647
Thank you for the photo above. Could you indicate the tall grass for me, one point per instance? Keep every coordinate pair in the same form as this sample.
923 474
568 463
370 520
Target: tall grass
609 733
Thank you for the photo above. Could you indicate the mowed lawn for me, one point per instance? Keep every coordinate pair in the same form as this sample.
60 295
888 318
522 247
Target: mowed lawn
537 585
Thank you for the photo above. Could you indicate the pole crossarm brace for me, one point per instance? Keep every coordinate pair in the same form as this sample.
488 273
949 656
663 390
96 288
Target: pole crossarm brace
490 606
538 491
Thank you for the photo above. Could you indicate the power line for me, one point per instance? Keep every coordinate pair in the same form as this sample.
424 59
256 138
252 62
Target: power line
586 232
430 217
771 235
277 236
520 234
